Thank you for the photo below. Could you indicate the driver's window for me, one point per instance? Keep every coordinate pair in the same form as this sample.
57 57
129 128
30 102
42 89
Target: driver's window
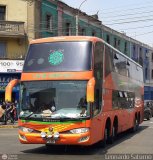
98 74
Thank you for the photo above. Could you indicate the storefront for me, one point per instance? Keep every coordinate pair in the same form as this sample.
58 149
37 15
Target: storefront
10 69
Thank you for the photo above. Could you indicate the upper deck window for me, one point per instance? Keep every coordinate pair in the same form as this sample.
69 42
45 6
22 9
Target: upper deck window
59 56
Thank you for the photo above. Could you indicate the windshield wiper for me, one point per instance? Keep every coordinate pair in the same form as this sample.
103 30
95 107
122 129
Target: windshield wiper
71 118
29 115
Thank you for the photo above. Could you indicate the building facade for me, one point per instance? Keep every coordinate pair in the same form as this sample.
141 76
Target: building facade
12 34
13 42
24 20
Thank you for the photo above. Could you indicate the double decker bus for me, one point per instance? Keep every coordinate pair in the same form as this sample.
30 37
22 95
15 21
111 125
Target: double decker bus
78 90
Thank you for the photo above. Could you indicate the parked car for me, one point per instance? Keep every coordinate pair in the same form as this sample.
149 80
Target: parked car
147 111
151 107
149 103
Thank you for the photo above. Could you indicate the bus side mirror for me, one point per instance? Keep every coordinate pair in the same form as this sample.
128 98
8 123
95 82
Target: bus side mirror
9 89
90 90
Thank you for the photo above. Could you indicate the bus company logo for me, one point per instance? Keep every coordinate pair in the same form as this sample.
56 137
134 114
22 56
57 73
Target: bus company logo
4 156
55 58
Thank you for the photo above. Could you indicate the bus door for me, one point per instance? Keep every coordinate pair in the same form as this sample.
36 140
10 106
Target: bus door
96 122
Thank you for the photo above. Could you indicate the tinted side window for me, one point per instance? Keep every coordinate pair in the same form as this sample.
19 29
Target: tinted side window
108 61
122 99
120 64
136 72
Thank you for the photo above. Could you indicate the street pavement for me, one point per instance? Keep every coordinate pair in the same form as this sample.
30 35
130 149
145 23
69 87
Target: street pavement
132 145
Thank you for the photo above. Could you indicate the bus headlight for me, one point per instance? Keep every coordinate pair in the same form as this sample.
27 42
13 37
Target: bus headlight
27 130
79 130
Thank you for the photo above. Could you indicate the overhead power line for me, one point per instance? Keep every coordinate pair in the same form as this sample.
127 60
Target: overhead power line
118 23
144 33
136 27
125 15
122 10
132 18
132 4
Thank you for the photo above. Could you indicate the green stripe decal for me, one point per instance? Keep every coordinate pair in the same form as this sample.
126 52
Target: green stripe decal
40 122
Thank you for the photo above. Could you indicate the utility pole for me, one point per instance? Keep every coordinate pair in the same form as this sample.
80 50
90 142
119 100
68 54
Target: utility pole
77 19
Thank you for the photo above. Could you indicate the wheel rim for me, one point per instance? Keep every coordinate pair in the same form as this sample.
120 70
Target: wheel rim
113 132
136 124
106 134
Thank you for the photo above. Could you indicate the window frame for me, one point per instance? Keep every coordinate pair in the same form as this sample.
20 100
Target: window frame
68 31
3 16
49 22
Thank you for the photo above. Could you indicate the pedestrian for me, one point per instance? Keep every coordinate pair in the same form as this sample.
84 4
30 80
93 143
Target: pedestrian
12 112
9 112
5 106
2 112
17 109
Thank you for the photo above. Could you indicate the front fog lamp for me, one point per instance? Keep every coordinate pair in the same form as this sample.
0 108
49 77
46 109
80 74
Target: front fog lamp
27 130
79 130
43 134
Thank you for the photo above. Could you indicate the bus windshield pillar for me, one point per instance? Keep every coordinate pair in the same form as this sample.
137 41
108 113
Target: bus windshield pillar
90 90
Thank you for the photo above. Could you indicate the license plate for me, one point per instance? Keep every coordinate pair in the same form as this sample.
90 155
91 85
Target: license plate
50 141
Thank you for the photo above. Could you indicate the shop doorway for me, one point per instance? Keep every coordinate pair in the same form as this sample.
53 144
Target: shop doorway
15 97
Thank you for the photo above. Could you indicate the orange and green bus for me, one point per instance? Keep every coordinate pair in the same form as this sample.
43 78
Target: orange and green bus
78 90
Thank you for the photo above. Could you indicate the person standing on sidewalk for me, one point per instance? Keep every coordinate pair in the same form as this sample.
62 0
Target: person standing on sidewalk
17 110
2 112
12 112
8 112
5 116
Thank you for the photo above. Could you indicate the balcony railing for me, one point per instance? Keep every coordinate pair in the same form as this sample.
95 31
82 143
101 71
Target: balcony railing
13 55
11 28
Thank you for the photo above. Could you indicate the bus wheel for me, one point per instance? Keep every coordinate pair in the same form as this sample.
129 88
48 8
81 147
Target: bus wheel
112 138
102 143
136 125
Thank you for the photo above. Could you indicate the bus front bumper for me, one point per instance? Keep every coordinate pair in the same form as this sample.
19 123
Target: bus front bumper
63 139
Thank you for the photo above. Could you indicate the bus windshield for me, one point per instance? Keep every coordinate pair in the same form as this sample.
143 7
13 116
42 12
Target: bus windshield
54 99
59 56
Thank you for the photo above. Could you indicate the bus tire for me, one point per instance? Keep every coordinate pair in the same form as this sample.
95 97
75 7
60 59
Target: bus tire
112 138
103 142
136 125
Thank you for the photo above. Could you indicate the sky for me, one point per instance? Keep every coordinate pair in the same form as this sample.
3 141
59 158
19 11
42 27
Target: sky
133 17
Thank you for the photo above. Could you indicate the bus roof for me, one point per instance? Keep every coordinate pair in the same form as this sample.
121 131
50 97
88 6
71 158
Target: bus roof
65 38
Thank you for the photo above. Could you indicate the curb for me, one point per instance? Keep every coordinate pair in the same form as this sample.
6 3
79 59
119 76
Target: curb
8 126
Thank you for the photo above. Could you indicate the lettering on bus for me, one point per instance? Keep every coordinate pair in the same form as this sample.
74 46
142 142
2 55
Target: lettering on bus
54 75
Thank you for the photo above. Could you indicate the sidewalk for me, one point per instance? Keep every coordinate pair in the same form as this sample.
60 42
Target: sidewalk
9 125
